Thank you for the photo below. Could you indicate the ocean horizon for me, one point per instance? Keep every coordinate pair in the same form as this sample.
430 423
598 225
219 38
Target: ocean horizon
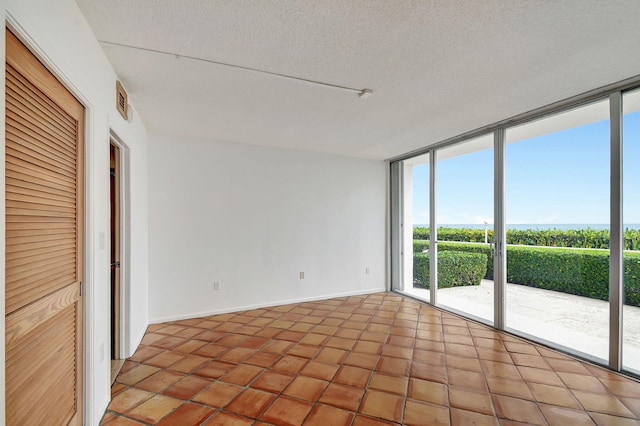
534 226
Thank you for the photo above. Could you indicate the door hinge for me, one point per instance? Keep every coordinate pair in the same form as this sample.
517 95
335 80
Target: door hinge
81 285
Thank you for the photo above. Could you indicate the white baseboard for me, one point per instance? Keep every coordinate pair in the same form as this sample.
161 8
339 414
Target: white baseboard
264 305
133 347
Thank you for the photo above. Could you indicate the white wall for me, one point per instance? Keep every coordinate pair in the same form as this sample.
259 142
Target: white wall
253 218
58 33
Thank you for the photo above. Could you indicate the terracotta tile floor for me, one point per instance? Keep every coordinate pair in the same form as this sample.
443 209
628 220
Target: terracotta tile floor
377 359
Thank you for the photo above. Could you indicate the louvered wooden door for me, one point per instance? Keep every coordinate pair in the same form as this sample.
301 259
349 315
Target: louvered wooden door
44 245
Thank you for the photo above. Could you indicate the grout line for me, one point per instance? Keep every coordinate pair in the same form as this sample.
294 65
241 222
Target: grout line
384 317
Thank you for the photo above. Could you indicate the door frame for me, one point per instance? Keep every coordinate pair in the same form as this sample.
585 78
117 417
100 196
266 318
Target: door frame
125 244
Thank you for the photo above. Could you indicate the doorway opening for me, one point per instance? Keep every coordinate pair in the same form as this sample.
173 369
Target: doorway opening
115 215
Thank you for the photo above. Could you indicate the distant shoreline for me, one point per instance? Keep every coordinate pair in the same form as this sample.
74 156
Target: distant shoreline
536 226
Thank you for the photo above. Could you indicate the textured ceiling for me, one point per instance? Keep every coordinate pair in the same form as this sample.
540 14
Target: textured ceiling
437 68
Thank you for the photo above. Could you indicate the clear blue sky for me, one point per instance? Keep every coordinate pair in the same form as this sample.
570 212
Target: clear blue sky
558 178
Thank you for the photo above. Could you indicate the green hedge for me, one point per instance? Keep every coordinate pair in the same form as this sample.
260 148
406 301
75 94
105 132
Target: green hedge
583 238
454 268
580 272
453 234
420 245
573 271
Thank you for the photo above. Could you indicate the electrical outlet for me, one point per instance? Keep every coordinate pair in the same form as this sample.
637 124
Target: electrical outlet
302 275
366 271
216 285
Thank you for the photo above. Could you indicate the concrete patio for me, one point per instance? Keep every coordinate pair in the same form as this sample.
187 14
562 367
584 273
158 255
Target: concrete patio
575 322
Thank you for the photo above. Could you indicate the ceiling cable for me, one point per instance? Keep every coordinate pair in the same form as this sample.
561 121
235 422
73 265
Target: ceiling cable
362 93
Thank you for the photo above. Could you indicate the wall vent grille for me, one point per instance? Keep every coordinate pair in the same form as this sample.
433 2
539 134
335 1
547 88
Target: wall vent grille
121 101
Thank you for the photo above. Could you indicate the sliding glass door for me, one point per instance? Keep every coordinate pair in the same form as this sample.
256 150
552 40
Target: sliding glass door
465 227
533 227
413 176
557 216
631 227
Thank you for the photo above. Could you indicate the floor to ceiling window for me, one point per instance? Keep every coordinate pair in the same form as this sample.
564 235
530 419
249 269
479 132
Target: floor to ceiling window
411 180
414 179
567 226
465 227
631 227
557 217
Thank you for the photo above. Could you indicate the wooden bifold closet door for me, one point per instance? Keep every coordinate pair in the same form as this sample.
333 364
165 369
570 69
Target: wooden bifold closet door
44 244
